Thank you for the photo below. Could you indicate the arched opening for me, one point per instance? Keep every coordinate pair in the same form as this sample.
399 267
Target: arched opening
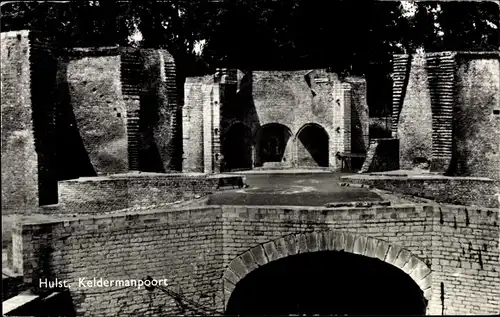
326 283
237 147
271 143
312 146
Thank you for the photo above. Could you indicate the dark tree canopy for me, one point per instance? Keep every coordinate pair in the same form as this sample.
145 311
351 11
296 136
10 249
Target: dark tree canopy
344 35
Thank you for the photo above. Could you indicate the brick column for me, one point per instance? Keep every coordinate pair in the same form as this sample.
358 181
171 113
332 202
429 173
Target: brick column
169 81
401 74
340 136
441 73
131 67
227 92
208 105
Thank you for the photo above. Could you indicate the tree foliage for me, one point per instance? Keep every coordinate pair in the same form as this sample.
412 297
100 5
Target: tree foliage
343 35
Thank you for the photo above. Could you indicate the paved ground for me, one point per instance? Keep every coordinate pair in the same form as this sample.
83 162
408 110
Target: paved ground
288 189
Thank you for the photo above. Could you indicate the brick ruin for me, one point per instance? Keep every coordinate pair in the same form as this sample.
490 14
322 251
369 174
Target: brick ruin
449 255
247 119
87 112
77 121
82 112
446 113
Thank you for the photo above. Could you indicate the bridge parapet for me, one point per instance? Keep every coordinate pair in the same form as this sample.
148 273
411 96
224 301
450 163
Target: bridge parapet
194 247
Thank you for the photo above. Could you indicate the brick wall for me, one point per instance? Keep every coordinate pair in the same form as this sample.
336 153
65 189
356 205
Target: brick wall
29 69
183 247
441 80
157 115
19 158
360 121
452 190
197 94
100 112
290 98
415 117
95 195
477 128
448 115
465 260
193 247
400 75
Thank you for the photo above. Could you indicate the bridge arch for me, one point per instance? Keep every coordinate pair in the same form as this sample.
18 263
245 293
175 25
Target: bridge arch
297 244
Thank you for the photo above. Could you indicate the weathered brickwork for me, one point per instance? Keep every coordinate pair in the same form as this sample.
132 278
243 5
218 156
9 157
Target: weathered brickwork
400 75
477 127
441 79
157 125
466 261
29 68
202 251
447 121
99 108
197 93
292 99
452 190
416 139
19 189
360 121
82 112
93 195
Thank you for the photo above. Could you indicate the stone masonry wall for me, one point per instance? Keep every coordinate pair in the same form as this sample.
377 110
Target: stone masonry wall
477 127
19 158
192 248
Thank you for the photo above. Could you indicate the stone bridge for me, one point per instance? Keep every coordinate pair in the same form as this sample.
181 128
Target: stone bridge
407 259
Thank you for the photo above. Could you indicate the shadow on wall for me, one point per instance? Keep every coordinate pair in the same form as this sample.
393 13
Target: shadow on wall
237 147
270 143
239 123
312 142
71 156
149 155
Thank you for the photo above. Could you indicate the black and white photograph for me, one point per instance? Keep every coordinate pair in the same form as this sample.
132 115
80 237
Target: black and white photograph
250 158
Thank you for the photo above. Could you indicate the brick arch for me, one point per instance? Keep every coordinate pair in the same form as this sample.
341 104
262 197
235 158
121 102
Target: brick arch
311 124
299 243
312 145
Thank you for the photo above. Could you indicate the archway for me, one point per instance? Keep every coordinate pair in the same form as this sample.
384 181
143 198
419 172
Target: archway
326 273
237 147
312 146
271 143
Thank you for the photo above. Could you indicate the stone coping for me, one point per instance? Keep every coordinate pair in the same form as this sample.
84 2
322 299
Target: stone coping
136 175
157 211
410 176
